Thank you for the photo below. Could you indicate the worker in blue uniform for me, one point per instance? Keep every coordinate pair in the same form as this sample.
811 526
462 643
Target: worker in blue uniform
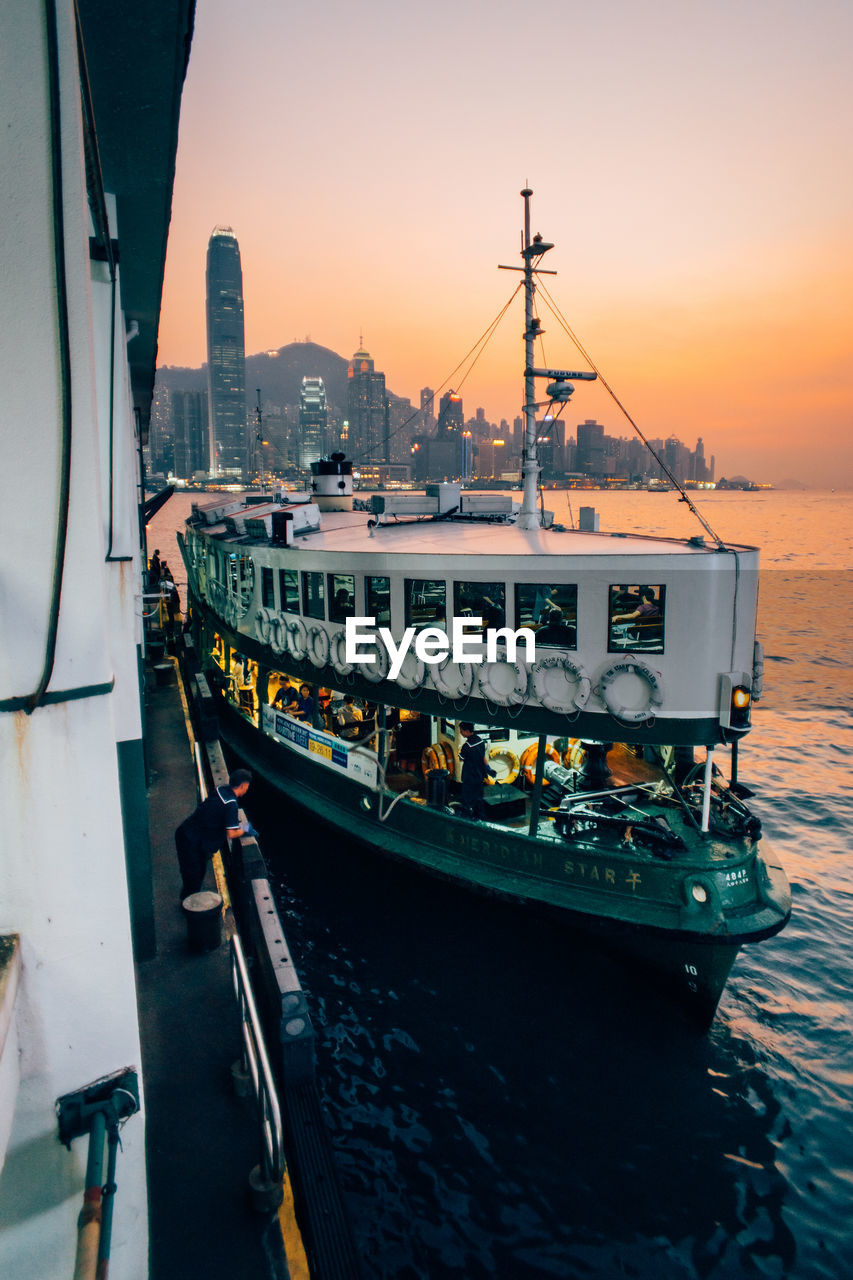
204 831
474 772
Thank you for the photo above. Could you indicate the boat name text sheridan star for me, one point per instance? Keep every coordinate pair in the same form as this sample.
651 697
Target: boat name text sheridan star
432 644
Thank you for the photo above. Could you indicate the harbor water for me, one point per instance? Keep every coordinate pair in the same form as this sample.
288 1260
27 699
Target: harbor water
505 1100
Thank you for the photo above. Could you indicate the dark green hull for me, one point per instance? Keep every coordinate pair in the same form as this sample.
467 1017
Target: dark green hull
639 906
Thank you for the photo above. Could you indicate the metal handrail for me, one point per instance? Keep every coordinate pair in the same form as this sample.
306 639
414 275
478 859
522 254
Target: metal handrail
256 1061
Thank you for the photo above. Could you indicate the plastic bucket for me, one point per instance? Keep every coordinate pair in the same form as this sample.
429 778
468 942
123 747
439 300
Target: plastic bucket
203 914
164 673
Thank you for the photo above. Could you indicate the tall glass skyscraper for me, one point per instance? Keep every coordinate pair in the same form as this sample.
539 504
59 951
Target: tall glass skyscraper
313 418
367 409
226 356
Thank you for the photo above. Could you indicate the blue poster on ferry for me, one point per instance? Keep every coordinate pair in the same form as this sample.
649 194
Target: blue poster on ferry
323 748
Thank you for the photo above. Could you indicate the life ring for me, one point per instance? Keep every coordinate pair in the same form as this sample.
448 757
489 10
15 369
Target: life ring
512 762
278 633
575 754
432 757
449 757
503 682
528 761
412 673
560 684
297 638
652 697
377 670
452 679
263 620
318 647
338 654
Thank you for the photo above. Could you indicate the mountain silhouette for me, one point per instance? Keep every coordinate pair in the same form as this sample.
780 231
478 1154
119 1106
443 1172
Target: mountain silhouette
278 374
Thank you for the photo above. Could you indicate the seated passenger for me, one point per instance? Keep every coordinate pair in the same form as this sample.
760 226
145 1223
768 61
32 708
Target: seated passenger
287 698
304 704
349 718
648 607
556 633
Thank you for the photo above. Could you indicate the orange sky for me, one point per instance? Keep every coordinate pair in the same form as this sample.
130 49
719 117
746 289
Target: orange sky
690 162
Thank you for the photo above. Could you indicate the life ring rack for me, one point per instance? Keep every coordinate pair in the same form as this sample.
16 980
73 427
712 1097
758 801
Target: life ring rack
510 759
444 686
297 639
263 624
504 697
559 664
318 647
338 654
376 671
528 761
277 639
412 673
625 714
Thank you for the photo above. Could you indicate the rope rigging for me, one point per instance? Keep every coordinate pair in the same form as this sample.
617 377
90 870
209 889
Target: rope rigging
560 318
482 342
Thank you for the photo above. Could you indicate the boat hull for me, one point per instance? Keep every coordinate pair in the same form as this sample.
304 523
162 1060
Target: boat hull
689 954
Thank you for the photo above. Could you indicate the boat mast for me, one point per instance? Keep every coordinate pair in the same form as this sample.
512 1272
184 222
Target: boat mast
559 390
528 516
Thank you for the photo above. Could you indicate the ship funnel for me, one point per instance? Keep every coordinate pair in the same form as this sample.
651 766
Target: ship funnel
331 483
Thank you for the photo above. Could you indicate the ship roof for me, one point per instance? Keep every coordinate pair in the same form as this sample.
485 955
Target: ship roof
355 533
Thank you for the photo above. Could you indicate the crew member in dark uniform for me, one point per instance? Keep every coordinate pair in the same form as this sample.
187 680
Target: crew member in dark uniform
203 832
474 772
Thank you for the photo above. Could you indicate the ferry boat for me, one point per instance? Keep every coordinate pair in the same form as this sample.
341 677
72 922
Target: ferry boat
608 809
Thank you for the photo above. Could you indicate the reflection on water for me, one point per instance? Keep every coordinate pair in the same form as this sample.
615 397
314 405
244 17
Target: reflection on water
506 1101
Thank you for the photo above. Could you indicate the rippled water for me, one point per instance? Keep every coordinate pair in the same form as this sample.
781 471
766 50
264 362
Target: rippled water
506 1101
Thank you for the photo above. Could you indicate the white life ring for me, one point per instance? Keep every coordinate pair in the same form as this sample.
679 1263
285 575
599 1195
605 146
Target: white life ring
504 683
379 668
452 679
338 654
278 633
634 670
560 684
510 760
318 647
263 623
412 673
297 638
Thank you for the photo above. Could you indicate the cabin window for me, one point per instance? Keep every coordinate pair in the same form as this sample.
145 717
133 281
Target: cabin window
313 595
241 580
486 600
341 588
426 603
288 590
377 600
550 609
267 588
636 619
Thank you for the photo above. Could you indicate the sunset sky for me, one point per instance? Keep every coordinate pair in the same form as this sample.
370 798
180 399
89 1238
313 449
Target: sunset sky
690 161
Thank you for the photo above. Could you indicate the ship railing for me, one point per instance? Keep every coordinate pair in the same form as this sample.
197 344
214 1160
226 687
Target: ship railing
254 1067
256 1064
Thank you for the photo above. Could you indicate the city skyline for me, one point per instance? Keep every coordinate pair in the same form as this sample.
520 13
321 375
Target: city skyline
686 169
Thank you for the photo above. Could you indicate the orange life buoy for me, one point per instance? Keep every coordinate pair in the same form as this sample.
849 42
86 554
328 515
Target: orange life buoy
432 757
528 761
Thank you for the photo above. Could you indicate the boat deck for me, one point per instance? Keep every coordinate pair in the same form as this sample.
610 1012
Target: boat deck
201 1138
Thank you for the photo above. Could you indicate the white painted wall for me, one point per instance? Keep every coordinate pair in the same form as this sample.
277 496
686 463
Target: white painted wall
62 877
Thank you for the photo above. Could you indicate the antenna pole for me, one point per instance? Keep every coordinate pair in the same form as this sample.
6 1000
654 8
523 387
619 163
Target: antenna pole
528 516
260 434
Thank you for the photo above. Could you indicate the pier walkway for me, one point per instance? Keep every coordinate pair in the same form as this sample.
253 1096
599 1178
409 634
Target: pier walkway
201 1138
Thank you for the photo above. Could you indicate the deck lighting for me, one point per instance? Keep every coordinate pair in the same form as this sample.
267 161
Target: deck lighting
741 699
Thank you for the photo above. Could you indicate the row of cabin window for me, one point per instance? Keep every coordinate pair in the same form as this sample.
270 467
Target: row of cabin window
636 613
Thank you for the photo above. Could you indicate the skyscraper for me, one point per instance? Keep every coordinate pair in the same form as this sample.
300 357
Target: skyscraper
226 356
312 421
367 410
190 419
